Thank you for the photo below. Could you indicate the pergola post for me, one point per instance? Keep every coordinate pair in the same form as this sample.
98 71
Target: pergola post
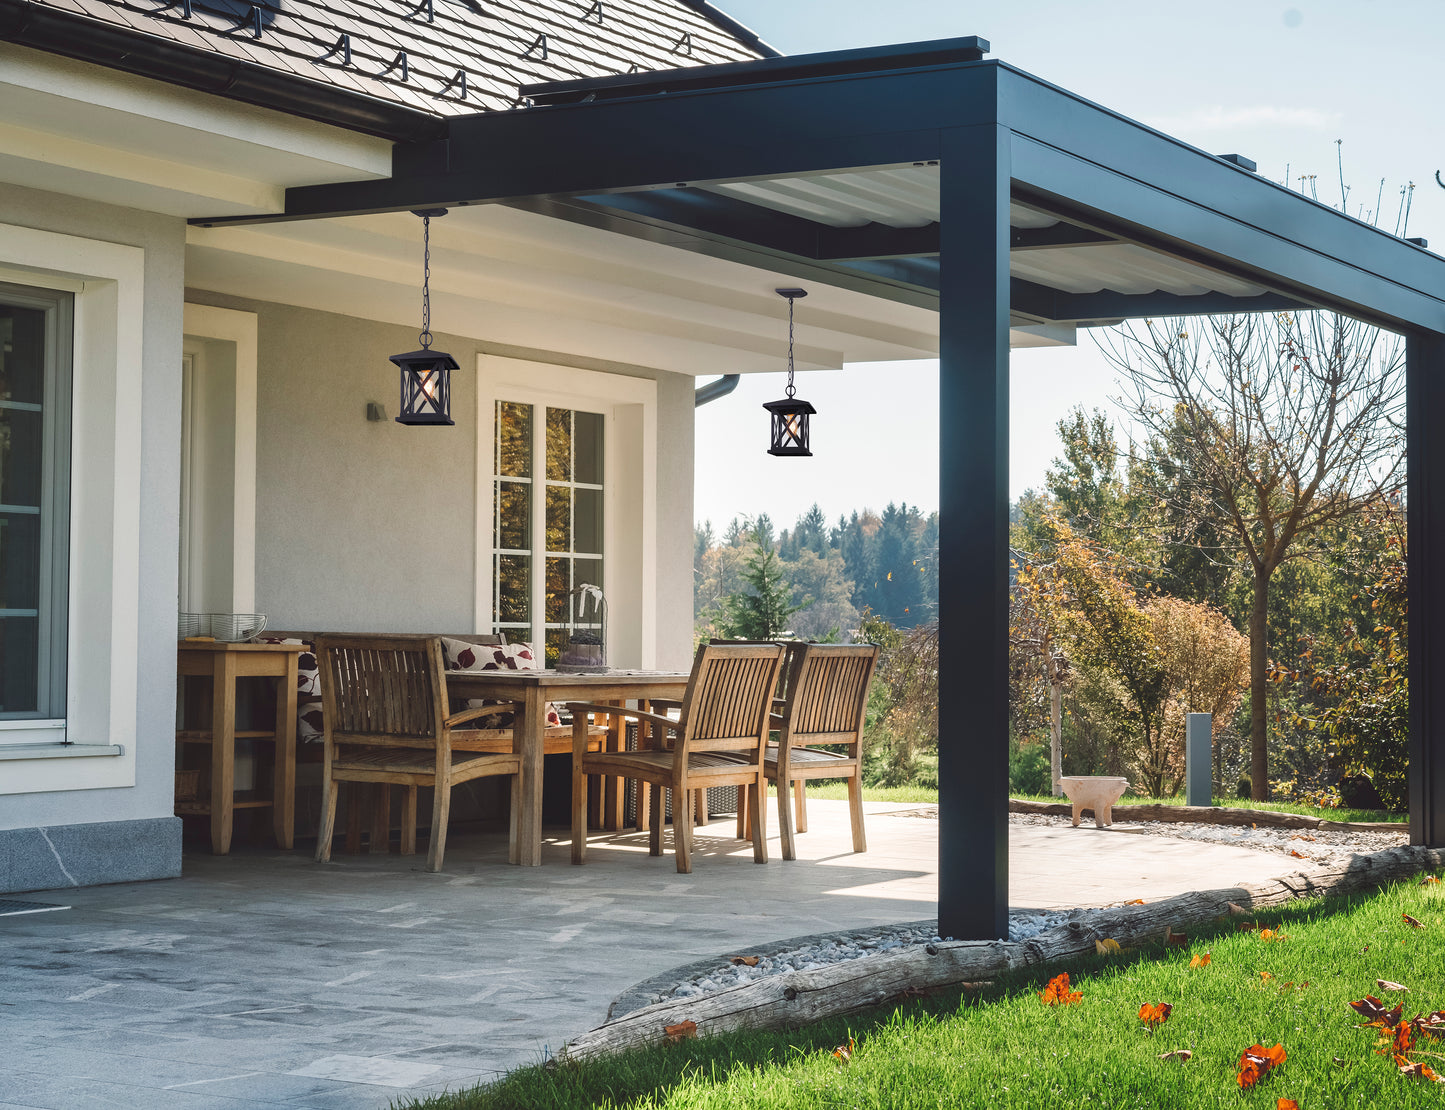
973 570
1425 517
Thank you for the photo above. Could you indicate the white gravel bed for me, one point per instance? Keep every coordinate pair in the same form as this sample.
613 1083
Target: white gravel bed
1311 845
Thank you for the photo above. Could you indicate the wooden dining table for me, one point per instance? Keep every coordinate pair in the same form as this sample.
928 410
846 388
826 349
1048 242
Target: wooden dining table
532 690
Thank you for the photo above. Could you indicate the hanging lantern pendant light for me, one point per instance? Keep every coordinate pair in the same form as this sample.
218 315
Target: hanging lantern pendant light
426 391
790 416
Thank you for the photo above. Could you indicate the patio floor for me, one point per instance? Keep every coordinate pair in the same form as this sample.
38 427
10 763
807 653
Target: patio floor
262 979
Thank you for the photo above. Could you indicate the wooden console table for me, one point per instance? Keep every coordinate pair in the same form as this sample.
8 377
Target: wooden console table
223 664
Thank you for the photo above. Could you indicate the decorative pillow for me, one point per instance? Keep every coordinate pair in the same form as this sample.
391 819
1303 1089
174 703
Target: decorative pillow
308 690
462 656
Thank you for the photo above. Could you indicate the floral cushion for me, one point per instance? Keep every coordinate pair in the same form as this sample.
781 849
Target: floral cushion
462 656
308 690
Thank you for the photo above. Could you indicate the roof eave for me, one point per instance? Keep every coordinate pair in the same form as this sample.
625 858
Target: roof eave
91 40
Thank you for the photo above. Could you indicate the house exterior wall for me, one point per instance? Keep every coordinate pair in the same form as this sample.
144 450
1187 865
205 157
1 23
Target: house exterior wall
66 818
365 526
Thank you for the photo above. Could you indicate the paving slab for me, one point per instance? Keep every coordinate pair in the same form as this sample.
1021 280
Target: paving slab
264 979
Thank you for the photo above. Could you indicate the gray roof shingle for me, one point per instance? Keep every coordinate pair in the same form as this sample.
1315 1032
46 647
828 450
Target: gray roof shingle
498 44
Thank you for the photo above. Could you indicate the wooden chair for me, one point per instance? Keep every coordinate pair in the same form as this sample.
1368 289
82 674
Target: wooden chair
825 700
388 722
720 739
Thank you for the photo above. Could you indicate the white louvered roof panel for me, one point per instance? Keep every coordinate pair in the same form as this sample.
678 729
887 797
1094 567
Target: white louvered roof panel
1123 268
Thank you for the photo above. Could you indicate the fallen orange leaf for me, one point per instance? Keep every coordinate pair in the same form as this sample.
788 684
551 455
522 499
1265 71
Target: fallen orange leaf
1257 1061
1417 1070
681 1031
1428 879
1200 961
1298 855
1154 1015
1057 992
1286 1104
1134 902
1271 934
1266 976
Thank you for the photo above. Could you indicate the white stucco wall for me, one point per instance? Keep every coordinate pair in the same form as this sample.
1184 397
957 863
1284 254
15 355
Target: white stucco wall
371 526
139 784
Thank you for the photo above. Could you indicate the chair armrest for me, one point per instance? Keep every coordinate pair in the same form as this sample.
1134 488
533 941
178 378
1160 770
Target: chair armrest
482 711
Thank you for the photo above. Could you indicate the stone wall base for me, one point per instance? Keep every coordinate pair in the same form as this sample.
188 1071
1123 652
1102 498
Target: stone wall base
87 855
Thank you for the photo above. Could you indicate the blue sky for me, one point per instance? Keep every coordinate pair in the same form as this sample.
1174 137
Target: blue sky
1277 82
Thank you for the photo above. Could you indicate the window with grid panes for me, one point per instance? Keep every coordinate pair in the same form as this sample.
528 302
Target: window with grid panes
35 339
548 525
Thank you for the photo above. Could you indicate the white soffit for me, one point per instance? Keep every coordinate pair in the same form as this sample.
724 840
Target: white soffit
521 279
91 132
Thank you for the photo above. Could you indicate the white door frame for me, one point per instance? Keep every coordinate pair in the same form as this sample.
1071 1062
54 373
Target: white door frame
238 328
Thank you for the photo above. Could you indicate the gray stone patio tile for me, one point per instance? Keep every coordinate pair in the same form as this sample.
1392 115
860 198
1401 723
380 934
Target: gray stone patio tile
261 963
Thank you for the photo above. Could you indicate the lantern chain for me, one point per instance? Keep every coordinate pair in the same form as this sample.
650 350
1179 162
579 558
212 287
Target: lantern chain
426 336
791 391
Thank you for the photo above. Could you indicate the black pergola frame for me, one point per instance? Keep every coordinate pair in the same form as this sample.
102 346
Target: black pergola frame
626 154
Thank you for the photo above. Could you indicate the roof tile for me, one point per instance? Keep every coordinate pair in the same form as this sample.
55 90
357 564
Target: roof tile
491 41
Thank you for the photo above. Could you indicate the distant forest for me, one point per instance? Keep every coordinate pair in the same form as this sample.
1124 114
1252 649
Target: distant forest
886 563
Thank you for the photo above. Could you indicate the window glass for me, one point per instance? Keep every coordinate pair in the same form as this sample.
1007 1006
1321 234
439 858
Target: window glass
567 506
514 440
34 469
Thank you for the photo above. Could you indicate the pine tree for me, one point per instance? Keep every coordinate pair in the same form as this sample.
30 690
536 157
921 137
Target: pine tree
762 610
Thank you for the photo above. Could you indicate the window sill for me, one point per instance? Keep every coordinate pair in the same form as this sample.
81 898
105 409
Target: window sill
59 751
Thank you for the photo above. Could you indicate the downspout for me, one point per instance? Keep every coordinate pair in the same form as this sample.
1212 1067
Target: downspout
713 390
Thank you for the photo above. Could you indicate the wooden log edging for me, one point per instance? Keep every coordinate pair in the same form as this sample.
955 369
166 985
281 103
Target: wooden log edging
1212 815
795 998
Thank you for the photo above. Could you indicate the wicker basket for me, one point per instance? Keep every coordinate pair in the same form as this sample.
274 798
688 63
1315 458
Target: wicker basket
188 786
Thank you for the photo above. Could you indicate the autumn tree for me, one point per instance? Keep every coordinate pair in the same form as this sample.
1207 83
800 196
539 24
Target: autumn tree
1363 695
1283 424
1206 662
1097 616
1034 645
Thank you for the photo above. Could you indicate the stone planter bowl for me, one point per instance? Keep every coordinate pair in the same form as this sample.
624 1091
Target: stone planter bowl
1095 792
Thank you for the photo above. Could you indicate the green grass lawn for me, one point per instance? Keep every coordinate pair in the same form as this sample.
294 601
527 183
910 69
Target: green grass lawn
1003 1048
1340 814
837 789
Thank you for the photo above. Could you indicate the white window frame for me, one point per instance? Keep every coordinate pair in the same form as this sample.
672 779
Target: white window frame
98 735
629 408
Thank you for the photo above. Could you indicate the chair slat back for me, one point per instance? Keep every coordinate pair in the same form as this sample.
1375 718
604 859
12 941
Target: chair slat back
385 690
828 692
728 698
